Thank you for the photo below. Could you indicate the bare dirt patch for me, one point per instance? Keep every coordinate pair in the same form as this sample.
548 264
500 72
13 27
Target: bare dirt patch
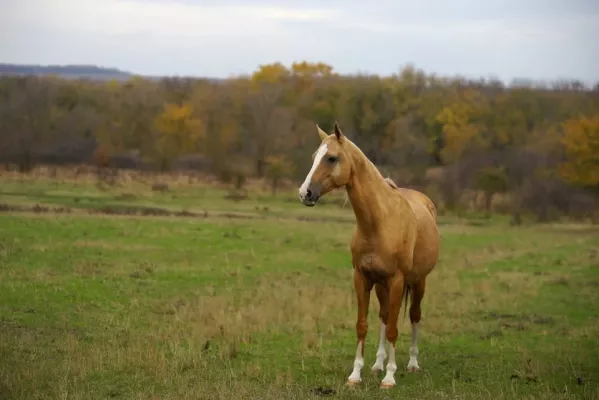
141 211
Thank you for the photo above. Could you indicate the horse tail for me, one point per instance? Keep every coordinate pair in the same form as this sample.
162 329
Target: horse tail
432 208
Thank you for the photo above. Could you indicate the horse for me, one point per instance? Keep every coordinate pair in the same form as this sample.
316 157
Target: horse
395 245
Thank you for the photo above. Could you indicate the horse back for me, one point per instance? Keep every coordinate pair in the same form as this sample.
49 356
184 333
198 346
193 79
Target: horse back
419 197
414 196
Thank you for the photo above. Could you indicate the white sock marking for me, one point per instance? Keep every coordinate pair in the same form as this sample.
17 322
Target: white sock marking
358 364
389 379
381 354
413 363
322 150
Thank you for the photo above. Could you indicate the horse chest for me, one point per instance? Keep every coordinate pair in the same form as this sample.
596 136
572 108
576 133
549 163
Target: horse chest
372 265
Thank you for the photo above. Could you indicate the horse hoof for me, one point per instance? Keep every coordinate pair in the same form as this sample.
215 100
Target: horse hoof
387 385
351 382
412 368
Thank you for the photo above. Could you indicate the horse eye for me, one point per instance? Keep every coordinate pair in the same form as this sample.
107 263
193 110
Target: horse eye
332 159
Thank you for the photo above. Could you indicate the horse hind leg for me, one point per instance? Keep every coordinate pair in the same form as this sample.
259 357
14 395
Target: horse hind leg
381 354
396 289
415 314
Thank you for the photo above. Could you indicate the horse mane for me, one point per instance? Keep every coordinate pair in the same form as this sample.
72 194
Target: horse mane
391 183
359 151
406 193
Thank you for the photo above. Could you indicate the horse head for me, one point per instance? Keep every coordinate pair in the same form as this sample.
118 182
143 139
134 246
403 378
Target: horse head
331 167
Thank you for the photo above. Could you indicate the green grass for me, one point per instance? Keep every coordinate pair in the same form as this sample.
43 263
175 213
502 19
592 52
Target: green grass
96 307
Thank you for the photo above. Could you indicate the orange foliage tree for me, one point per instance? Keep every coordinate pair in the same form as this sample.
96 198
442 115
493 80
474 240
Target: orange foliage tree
581 144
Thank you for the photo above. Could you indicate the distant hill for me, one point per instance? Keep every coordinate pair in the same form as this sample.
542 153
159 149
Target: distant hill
65 71
91 72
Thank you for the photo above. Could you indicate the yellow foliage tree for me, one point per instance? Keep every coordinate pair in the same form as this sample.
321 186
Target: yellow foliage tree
463 128
178 130
305 76
581 143
270 73
305 69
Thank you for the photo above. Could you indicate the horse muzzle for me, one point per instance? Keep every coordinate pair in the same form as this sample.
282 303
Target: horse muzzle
310 196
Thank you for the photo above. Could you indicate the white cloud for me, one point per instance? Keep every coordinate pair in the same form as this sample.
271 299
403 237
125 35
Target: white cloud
158 19
162 19
508 37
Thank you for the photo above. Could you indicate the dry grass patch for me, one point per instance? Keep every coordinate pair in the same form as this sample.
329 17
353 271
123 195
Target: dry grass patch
277 304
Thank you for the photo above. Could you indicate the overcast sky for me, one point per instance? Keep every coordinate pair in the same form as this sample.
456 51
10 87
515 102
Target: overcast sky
537 39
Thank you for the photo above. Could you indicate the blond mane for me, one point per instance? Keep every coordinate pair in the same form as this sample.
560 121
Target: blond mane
391 183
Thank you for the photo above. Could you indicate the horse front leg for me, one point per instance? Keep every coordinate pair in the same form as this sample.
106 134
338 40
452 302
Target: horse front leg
362 288
381 354
396 288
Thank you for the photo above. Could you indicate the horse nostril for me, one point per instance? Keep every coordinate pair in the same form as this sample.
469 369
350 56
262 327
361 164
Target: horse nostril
309 194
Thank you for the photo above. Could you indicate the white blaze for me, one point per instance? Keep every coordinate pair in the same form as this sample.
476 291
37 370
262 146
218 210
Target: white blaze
322 150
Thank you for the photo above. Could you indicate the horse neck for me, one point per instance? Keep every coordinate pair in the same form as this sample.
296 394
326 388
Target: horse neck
367 192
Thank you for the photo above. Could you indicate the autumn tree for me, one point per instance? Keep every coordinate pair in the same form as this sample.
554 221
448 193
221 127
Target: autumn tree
28 112
581 143
314 93
313 99
490 180
132 107
176 90
268 119
219 108
278 168
78 118
464 128
527 139
178 131
366 109
405 151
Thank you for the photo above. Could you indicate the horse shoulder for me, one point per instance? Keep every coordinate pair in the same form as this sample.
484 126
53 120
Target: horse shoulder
360 244
401 232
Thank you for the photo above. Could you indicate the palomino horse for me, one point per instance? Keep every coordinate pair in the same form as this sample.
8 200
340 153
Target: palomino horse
394 247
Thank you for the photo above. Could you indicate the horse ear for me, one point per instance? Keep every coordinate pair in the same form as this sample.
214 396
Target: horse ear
338 132
321 133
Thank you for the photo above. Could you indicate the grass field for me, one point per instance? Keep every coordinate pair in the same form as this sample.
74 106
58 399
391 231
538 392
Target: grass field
253 300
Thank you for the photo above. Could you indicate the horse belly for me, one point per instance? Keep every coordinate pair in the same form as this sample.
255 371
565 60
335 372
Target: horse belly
426 254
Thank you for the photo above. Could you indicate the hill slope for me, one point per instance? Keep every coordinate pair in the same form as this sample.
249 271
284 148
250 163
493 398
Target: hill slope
65 71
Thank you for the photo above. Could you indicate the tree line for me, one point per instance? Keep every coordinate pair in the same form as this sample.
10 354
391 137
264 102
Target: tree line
537 143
